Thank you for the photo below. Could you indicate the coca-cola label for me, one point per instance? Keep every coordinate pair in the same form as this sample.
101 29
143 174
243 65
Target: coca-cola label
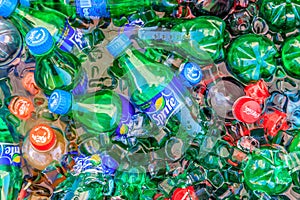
163 105
70 38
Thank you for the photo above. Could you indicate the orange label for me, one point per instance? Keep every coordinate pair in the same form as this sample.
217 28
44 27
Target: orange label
21 107
42 137
29 84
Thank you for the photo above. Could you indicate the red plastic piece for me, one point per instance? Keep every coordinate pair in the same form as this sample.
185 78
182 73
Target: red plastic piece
274 122
187 193
258 91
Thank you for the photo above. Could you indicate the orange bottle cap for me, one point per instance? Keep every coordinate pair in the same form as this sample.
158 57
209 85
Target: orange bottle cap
245 109
21 107
42 137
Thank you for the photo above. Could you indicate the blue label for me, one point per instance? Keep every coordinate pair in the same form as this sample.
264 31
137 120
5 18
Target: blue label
71 37
10 154
86 164
126 123
91 9
164 104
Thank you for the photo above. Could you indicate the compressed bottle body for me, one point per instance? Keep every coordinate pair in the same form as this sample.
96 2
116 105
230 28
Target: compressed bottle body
55 69
44 144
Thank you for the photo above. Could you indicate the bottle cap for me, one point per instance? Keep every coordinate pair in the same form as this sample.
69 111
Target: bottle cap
42 137
21 107
7 7
187 193
39 40
60 102
25 3
247 110
118 45
191 72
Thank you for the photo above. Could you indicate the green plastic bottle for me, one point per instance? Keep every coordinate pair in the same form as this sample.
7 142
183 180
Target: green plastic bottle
290 57
203 36
266 171
55 69
156 91
10 164
102 111
67 38
95 9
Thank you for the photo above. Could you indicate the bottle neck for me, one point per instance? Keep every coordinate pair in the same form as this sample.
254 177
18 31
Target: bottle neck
29 20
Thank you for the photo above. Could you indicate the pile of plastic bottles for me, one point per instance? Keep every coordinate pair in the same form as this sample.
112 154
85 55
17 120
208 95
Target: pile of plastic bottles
150 99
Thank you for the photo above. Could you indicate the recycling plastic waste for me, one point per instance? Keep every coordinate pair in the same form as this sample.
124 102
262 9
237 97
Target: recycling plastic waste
152 99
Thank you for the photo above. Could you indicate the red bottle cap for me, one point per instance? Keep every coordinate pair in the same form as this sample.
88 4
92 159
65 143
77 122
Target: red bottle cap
246 110
29 84
21 107
187 193
42 137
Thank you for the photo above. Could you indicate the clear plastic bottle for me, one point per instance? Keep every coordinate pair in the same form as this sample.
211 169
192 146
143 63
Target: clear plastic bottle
45 144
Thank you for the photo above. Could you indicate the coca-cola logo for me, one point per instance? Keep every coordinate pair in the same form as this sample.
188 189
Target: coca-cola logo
250 111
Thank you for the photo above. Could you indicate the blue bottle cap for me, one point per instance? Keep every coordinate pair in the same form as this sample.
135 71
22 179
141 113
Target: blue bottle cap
118 45
109 164
7 7
39 40
191 72
25 3
60 102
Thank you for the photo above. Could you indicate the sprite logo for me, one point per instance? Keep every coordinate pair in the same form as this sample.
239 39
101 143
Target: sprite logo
162 107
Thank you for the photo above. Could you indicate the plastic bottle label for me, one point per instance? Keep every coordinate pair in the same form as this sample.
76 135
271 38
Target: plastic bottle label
72 37
126 123
9 152
91 9
164 104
